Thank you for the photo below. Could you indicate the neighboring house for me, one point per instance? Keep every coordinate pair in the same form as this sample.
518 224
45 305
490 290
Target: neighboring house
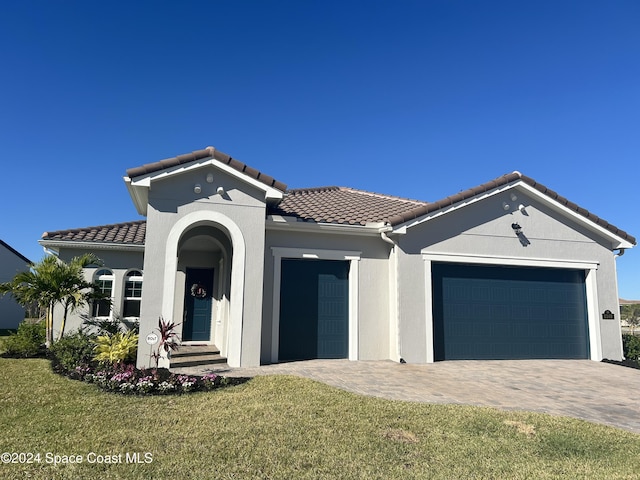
505 270
12 262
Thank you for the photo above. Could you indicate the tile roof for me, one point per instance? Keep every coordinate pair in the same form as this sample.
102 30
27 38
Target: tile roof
340 205
129 233
501 181
209 152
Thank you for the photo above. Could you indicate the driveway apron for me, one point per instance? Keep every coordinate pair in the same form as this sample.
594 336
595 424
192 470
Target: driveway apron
584 389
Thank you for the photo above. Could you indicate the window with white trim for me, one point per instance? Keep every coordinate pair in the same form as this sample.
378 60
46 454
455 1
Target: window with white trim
132 294
103 279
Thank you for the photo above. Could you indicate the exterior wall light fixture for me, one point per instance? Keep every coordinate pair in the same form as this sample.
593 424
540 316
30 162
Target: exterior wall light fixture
506 206
209 177
220 191
197 188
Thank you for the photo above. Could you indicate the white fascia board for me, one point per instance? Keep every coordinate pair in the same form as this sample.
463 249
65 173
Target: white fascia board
139 194
618 242
53 244
270 193
290 224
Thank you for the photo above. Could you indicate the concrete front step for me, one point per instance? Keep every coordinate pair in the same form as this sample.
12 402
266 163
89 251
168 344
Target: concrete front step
196 355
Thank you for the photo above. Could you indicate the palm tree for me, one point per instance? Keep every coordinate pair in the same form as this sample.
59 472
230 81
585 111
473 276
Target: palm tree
52 281
75 292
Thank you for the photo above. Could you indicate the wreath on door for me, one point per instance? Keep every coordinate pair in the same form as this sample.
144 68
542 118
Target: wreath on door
198 290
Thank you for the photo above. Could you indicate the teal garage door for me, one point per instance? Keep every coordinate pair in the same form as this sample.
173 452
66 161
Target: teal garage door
314 309
487 312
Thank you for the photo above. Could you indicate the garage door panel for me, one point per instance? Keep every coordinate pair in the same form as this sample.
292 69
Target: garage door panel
484 312
314 309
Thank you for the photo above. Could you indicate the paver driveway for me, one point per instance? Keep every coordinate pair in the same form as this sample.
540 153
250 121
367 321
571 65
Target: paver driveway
593 391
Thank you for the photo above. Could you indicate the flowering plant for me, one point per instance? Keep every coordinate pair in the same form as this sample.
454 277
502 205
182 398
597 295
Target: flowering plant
127 379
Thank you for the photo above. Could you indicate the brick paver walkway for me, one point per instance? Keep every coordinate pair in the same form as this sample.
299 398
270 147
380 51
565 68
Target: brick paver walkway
593 391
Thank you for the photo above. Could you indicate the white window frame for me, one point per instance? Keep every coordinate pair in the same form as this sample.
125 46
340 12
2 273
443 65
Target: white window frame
110 276
138 279
316 254
591 286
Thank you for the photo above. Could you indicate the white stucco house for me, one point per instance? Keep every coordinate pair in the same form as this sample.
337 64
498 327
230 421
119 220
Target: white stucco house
505 270
12 262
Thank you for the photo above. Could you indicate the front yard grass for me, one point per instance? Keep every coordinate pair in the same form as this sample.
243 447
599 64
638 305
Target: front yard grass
284 427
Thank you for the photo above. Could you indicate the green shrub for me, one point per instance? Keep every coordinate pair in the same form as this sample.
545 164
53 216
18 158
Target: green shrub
116 348
631 347
72 351
27 342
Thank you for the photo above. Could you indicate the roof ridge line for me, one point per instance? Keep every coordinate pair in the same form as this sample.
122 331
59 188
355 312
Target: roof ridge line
203 154
384 195
328 188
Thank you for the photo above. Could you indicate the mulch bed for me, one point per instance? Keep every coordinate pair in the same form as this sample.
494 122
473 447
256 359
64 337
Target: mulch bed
624 363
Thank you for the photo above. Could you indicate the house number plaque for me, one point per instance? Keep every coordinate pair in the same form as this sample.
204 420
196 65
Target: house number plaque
607 315
152 339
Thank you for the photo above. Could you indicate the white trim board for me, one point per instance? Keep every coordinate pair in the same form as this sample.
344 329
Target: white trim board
617 241
139 186
310 253
507 260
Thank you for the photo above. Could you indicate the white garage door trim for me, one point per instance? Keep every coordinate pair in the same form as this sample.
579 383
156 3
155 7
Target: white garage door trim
318 254
590 286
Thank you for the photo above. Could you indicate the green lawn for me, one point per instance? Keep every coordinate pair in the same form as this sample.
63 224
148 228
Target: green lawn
288 428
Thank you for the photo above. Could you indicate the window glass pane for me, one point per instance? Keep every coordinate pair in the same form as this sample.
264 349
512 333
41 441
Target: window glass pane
102 307
131 308
105 286
133 289
132 294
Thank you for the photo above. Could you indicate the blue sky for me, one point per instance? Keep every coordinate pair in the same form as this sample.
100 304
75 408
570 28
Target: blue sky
417 99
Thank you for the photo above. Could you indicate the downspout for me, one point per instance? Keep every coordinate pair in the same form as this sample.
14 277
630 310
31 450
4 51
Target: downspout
615 266
393 288
385 238
48 251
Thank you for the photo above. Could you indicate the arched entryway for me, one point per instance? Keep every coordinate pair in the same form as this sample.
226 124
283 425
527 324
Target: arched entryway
205 255
203 284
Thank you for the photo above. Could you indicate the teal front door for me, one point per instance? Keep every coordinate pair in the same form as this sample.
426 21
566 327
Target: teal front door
197 304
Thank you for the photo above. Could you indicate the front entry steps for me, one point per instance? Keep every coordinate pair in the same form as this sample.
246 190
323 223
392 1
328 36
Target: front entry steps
196 355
